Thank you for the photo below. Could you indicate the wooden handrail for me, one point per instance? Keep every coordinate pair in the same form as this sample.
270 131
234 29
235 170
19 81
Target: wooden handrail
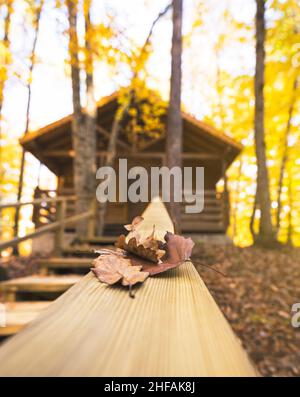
38 201
173 327
45 229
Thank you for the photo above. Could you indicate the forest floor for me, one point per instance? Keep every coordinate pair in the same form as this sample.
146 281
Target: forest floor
256 297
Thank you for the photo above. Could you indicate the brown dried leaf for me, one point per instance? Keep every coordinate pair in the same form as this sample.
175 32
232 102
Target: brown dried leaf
133 275
112 267
178 248
136 221
151 252
149 241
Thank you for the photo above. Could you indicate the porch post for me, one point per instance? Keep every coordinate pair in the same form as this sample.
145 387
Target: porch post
226 197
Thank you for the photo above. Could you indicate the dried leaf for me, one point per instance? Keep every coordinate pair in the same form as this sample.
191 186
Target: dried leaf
149 241
133 275
136 221
152 252
179 250
106 251
111 268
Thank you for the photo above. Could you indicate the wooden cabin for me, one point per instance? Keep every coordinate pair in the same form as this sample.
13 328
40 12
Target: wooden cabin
203 146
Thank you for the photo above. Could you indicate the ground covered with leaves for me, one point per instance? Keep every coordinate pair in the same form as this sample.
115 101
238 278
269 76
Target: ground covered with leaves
15 266
256 297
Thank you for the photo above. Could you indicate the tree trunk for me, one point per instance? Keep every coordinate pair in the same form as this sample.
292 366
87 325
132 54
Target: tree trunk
6 44
236 201
285 153
78 124
91 107
266 234
174 120
27 120
290 218
252 219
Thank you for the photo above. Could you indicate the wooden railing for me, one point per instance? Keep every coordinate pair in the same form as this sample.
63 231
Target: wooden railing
58 226
45 213
172 328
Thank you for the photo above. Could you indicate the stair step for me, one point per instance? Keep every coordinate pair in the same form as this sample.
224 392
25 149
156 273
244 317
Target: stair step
86 252
64 263
101 240
202 217
211 227
37 284
19 314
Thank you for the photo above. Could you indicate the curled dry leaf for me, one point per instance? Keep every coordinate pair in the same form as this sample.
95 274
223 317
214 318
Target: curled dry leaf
106 251
111 268
153 253
179 250
132 226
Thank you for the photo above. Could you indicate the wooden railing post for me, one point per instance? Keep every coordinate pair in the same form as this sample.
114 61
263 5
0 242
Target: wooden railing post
59 233
91 219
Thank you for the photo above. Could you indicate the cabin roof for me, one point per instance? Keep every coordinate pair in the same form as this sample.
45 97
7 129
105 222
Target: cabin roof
57 136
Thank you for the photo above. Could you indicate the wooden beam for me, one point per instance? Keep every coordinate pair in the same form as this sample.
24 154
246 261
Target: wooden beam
38 201
173 327
45 229
36 284
106 133
140 155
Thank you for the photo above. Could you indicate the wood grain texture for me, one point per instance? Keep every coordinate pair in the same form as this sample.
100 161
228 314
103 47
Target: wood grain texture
173 327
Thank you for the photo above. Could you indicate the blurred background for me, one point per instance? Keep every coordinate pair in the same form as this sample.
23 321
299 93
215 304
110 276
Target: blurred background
217 86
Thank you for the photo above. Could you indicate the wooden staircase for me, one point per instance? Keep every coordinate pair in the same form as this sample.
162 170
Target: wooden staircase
26 297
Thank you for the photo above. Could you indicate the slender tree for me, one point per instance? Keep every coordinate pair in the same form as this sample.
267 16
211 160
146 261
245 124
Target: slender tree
78 123
289 239
174 120
285 155
6 56
37 11
91 104
236 201
266 233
